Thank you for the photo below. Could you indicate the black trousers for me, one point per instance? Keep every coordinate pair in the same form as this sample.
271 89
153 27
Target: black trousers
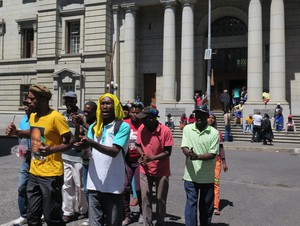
44 197
256 136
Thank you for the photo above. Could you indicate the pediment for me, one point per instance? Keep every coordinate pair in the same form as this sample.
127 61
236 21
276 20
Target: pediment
65 73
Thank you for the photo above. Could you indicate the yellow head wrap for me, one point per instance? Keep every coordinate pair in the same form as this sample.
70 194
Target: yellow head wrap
119 114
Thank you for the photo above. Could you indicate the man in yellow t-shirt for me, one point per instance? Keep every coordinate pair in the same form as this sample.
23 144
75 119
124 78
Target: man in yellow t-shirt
248 125
50 135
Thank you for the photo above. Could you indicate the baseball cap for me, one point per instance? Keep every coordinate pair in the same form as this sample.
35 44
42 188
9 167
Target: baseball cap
70 94
202 108
148 111
40 90
290 116
278 103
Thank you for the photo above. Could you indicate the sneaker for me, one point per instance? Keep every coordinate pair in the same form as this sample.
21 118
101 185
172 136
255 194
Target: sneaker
68 219
127 221
43 218
141 220
81 216
20 221
86 223
216 212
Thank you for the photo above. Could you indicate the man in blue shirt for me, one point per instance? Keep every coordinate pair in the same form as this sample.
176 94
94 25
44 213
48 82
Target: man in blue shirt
24 171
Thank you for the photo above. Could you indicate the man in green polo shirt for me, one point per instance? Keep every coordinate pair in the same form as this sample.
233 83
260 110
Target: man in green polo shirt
200 144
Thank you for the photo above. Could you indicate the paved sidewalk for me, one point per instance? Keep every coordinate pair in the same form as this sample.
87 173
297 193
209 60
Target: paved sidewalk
248 146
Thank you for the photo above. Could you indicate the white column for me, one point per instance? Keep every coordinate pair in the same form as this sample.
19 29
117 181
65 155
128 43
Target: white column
277 52
169 53
129 77
116 47
187 52
255 67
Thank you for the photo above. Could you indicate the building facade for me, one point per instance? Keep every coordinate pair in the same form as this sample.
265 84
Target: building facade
153 49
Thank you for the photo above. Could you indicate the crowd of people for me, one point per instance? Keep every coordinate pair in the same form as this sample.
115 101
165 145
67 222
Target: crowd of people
86 163
259 126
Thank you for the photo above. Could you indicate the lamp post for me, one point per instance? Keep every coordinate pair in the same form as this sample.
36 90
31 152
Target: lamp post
208 53
112 87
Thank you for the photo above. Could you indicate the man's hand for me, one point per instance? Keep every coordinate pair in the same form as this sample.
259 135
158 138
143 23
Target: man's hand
192 155
11 130
144 159
45 150
77 119
83 143
225 167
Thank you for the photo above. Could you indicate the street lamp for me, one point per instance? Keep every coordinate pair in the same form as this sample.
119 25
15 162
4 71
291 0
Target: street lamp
208 53
111 87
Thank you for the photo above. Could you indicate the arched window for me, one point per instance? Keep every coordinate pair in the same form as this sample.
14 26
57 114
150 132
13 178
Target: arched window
228 26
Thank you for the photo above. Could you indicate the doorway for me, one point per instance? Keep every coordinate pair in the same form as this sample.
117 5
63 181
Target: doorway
149 89
230 71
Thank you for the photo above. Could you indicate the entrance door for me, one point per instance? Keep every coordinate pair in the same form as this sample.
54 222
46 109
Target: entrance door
230 71
149 89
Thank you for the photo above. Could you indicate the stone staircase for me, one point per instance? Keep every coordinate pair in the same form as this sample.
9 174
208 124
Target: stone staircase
238 135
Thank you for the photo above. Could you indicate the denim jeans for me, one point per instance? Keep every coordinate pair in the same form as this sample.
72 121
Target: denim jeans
206 203
106 206
22 195
85 170
227 132
247 126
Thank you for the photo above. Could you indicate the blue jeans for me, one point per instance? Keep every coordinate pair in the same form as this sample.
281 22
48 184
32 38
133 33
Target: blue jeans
227 132
247 126
85 170
206 203
106 206
22 195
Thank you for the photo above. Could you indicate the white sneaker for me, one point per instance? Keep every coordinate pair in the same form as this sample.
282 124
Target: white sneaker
86 223
20 221
141 220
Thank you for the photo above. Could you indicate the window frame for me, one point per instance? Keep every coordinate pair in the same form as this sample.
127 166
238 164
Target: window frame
23 26
27 43
66 20
24 88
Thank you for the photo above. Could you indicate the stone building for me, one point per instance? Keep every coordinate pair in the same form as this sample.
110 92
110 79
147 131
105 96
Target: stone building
151 48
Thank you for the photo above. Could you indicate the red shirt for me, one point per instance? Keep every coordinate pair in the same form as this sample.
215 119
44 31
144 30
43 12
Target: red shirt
154 144
132 154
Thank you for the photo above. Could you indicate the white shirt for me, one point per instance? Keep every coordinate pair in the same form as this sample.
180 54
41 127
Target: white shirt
257 120
107 174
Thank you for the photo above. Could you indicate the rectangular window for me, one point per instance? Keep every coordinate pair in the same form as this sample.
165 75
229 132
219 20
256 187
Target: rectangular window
73 34
27 42
23 93
28 1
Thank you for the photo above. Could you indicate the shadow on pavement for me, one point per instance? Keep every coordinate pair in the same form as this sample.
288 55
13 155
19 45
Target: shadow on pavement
224 203
173 224
219 224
